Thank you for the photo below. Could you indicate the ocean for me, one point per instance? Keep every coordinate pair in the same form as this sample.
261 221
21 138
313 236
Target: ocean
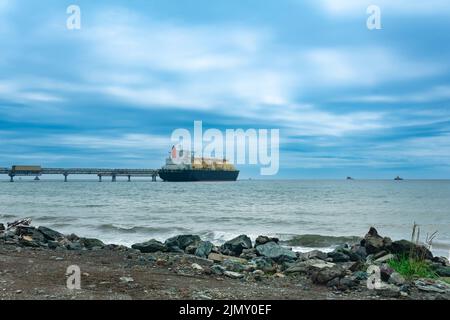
129 212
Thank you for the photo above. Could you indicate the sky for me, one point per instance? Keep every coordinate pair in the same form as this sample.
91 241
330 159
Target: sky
348 101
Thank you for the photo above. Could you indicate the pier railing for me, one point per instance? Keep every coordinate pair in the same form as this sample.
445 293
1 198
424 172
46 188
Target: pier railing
114 173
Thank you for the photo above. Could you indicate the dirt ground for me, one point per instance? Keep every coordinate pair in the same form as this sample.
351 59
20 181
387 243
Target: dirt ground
34 273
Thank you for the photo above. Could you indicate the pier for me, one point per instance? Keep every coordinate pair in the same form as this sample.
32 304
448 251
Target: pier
37 171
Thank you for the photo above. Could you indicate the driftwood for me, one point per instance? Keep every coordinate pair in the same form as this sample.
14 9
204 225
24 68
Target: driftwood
19 223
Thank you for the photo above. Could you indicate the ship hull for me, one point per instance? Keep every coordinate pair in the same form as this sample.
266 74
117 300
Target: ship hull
198 175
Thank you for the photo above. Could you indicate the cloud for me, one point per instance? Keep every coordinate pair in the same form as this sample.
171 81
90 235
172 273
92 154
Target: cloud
400 7
363 66
438 93
16 92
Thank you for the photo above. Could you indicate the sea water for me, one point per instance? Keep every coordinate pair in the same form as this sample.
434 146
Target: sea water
129 212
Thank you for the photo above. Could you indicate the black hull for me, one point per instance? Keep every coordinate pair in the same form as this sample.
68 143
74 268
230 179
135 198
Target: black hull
197 175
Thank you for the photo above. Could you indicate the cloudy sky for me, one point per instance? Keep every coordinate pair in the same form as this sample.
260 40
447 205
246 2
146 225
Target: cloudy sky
347 100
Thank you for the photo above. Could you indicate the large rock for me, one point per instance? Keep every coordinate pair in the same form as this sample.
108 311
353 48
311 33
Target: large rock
304 267
219 258
204 248
397 279
75 246
374 243
248 254
149 246
91 243
443 271
276 252
359 251
315 254
324 275
343 284
405 248
50 234
264 239
182 242
338 256
235 246
265 264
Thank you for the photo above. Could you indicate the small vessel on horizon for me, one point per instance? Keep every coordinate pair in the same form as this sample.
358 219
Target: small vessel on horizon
398 178
182 166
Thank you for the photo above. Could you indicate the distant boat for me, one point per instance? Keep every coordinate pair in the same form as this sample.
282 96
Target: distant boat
398 178
350 178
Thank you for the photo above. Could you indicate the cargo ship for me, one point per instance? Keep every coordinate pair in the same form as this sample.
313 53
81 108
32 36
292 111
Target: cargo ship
183 166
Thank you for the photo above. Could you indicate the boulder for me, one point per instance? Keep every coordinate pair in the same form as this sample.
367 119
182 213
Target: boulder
397 279
315 254
308 266
54 245
359 251
276 252
338 256
324 275
191 249
360 275
218 269
182 241
248 254
405 248
28 241
374 243
2 227
50 234
74 246
264 264
388 290
149 246
264 239
204 248
233 265
441 260
217 257
443 271
72 237
237 245
343 284
91 243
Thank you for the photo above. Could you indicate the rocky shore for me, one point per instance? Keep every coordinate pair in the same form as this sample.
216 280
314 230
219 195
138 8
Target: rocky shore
34 262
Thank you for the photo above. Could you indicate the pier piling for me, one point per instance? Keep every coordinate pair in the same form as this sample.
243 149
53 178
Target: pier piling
37 171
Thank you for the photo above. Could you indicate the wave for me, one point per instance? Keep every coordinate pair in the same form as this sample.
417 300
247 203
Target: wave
138 229
53 218
320 241
7 216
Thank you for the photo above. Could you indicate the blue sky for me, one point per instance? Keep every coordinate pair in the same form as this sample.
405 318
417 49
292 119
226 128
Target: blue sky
347 100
